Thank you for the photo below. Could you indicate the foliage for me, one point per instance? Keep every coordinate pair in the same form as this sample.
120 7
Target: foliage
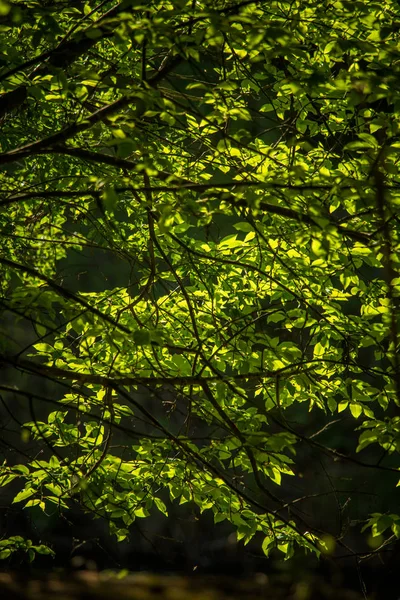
16 543
199 225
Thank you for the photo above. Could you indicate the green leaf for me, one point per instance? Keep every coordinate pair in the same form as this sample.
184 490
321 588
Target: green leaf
267 545
141 512
24 494
243 227
383 523
5 479
161 506
31 555
141 337
5 8
110 199
355 409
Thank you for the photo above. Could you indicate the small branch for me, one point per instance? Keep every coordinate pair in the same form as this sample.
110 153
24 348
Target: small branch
96 117
122 379
65 293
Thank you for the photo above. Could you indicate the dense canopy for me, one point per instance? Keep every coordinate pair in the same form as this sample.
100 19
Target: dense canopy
199 221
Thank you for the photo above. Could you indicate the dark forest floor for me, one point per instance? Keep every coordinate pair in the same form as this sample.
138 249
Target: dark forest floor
92 585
